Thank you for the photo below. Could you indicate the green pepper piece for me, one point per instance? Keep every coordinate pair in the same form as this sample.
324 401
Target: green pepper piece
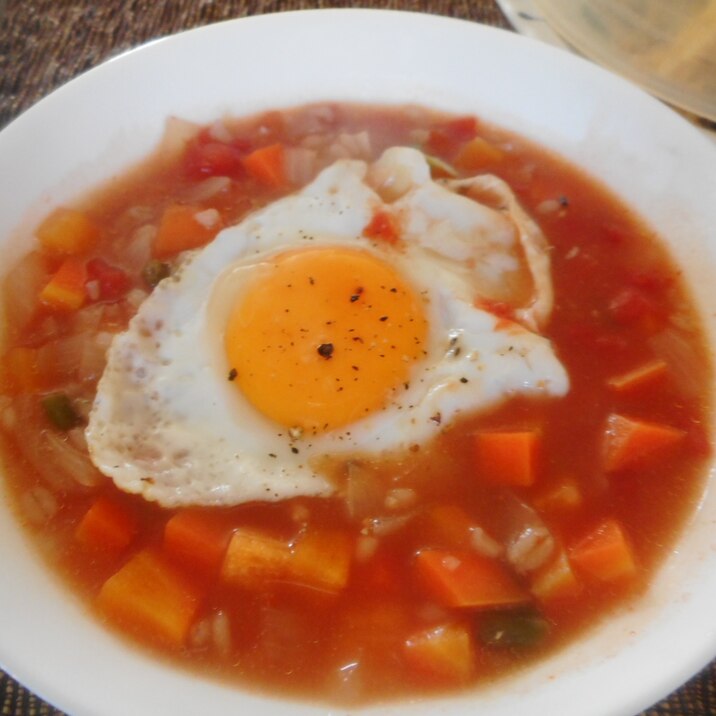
154 271
512 629
60 411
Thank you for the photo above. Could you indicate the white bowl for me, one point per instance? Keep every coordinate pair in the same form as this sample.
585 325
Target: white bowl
103 121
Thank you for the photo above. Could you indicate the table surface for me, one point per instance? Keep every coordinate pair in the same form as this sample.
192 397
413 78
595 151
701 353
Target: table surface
45 43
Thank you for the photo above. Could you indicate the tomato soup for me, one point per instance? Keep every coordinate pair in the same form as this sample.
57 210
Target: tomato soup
416 570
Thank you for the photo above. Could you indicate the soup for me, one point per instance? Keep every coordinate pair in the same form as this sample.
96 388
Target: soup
480 439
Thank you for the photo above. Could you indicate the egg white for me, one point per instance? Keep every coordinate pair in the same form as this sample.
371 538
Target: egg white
167 423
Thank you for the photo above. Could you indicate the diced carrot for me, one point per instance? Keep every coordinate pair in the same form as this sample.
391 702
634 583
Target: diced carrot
66 289
181 228
321 560
507 458
445 652
477 154
198 539
457 578
254 558
149 596
560 497
645 375
382 227
108 525
68 231
20 371
556 580
604 554
266 165
632 443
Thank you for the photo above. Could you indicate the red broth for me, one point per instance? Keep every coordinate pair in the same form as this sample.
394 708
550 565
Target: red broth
473 556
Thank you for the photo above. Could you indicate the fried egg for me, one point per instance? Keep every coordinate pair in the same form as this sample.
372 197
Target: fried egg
300 334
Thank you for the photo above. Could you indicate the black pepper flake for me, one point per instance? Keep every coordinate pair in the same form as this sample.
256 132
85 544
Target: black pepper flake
272 454
233 374
463 380
325 350
563 201
354 297
355 367
437 418
311 280
294 450
394 290
383 318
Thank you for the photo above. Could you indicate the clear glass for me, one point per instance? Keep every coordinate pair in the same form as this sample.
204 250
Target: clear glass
667 46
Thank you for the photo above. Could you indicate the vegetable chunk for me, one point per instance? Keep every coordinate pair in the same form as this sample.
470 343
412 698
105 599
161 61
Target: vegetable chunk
107 525
507 458
68 231
467 579
149 596
445 652
632 443
180 229
604 553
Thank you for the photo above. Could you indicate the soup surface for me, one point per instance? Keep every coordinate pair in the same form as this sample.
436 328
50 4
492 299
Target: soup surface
392 540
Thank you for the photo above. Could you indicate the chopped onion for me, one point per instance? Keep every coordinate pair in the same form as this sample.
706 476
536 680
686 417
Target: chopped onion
8 415
300 165
221 632
59 359
483 543
674 347
220 132
92 289
208 218
383 526
518 526
135 298
177 133
39 505
530 549
400 498
207 189
366 546
21 288
364 491
139 248
94 357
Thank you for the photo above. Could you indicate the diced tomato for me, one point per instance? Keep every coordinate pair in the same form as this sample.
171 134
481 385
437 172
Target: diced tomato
108 525
446 138
209 158
444 652
630 443
605 553
458 578
113 281
382 227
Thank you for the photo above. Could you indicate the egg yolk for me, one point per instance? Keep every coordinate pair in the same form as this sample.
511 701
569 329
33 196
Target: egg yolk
324 337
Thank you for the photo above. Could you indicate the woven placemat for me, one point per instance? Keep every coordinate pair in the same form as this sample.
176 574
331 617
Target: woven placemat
45 43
